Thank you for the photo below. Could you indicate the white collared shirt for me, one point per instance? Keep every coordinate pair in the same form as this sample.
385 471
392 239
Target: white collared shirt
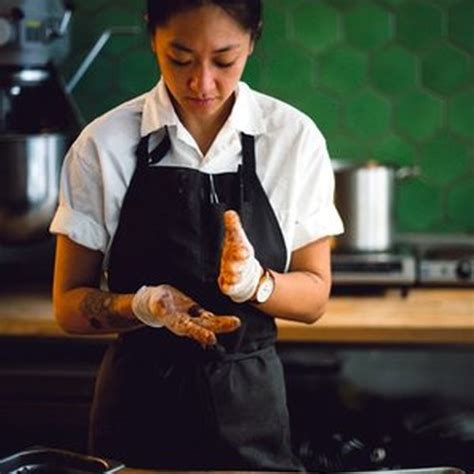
291 159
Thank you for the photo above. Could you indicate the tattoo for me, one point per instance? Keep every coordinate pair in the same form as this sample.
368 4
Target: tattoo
98 309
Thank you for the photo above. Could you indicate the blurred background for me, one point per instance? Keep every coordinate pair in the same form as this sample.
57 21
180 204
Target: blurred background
385 80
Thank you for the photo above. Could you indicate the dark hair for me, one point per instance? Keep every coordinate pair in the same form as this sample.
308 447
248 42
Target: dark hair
248 13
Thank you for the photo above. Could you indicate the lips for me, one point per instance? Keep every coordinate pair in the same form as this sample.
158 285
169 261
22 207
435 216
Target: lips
200 100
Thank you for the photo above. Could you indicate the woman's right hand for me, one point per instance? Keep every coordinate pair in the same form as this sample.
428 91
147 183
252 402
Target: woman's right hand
164 305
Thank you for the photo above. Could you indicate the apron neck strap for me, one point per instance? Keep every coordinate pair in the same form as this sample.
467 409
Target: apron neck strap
248 170
144 158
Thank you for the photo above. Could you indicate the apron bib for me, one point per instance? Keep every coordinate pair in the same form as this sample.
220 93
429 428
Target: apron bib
162 401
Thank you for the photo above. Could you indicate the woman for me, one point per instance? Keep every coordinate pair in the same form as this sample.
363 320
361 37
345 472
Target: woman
209 206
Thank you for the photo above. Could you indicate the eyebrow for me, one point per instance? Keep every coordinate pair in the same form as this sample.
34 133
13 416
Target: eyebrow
181 47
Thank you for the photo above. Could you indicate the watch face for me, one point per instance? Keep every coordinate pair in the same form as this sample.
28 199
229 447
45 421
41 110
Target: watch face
265 289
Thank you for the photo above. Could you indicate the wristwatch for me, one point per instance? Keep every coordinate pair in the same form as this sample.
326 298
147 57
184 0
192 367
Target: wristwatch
265 287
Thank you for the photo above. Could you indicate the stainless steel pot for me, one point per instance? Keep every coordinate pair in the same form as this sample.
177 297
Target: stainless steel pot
365 197
29 177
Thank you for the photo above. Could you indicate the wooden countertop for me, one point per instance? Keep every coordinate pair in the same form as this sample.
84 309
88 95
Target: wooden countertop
425 316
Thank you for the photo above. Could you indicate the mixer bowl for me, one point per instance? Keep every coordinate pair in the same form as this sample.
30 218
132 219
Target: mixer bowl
30 165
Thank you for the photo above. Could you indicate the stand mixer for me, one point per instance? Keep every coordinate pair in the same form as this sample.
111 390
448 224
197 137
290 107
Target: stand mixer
38 122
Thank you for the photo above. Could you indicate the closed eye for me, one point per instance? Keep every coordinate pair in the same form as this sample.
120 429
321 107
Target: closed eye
224 65
179 63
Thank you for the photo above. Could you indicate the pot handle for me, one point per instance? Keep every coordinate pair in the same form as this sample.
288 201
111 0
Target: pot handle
406 172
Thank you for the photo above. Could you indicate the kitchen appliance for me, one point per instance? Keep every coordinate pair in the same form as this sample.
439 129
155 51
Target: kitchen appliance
366 256
38 121
395 268
415 260
444 260
447 267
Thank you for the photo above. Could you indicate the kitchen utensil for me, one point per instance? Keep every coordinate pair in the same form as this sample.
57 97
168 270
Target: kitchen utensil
38 116
365 197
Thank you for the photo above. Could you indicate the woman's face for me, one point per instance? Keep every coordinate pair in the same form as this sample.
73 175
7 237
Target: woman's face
202 54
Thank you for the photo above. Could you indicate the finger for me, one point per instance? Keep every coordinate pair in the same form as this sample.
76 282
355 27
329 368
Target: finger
232 267
235 252
233 227
226 283
229 278
231 218
218 324
183 325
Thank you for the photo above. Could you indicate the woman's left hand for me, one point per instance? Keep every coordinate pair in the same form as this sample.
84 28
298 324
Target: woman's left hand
240 271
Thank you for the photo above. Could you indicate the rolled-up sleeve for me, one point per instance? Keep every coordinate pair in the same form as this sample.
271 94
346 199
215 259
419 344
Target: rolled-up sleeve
80 214
316 215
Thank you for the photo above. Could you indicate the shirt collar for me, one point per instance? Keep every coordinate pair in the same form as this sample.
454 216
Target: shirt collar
158 111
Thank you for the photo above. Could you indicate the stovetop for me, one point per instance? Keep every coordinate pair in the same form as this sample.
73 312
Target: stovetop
415 260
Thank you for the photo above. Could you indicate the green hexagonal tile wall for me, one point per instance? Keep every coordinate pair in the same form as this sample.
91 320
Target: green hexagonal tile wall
394 70
342 70
314 25
368 25
445 69
419 24
391 80
461 24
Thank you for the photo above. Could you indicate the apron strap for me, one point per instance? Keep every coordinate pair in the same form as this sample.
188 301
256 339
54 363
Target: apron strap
161 150
144 158
141 152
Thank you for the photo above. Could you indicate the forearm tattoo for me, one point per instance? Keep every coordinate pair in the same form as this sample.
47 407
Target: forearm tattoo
99 309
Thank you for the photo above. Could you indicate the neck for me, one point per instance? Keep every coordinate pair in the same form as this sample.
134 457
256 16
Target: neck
204 131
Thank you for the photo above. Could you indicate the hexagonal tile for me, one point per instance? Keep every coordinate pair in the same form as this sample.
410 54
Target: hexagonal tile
343 147
393 70
461 24
315 25
290 73
443 159
368 26
342 69
459 203
324 110
137 72
418 24
367 115
393 149
461 113
274 25
418 206
418 115
446 69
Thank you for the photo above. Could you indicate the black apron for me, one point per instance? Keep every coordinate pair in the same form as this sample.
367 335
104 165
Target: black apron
162 401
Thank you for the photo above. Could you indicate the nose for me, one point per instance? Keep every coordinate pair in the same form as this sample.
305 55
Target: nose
202 81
